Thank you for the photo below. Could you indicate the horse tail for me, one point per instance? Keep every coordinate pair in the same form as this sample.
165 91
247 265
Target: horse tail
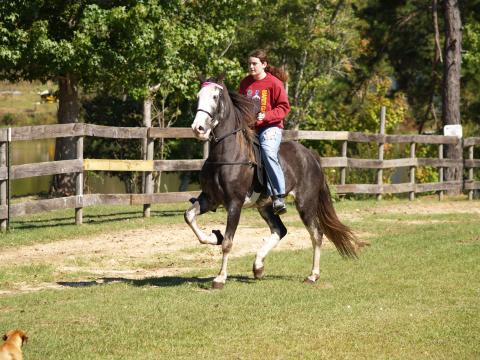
338 233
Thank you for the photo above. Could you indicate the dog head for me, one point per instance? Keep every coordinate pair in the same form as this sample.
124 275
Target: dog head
12 334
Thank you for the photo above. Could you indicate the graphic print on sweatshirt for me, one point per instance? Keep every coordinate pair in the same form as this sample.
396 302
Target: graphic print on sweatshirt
260 101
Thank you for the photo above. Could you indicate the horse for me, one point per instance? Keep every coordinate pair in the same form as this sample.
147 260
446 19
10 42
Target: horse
228 178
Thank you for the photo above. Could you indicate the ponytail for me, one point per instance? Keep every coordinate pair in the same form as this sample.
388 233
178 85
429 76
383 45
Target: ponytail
279 73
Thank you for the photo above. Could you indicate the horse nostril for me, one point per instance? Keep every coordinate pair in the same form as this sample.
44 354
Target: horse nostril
201 128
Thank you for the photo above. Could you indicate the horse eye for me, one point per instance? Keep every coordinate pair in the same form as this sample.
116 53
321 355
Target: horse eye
215 97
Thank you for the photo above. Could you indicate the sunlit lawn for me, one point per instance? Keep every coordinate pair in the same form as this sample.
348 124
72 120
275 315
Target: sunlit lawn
414 294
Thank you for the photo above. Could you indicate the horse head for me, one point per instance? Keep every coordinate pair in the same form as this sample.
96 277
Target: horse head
209 108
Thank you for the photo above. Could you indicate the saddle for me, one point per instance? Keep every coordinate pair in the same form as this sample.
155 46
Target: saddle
260 174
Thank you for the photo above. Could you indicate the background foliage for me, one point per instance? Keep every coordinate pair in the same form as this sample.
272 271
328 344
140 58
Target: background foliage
345 59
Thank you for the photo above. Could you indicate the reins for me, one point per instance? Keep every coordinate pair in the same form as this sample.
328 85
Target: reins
217 140
214 140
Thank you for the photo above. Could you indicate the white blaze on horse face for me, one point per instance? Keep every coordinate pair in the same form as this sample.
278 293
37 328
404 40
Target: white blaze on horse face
207 102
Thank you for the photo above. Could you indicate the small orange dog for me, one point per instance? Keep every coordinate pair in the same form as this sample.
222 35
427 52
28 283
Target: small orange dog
11 349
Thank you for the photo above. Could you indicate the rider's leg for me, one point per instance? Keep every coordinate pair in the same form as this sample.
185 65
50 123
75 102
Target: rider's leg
270 139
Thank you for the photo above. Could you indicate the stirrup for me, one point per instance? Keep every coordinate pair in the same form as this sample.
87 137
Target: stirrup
279 207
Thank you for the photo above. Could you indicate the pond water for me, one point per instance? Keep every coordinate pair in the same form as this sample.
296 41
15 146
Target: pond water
33 151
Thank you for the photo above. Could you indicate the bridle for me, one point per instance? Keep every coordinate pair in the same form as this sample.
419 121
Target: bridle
214 117
213 139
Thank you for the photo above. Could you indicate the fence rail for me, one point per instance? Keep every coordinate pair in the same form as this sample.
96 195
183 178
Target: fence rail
148 165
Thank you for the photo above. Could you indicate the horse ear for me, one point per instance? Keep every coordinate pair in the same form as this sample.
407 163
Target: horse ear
221 77
201 78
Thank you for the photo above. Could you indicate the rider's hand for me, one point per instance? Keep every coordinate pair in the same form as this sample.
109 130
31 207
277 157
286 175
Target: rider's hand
260 116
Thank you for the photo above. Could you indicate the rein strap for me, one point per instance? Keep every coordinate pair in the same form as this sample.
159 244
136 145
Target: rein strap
217 140
249 163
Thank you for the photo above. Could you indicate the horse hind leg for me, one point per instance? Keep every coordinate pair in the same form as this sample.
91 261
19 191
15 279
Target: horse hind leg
201 206
316 235
277 230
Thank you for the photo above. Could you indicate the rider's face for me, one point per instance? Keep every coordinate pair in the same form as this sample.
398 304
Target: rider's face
255 67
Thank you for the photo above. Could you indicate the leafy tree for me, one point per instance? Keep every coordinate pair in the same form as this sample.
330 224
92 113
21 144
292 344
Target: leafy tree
127 47
315 41
470 82
172 46
45 40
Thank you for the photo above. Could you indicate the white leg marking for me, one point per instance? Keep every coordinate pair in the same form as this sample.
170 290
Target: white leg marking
222 276
202 237
268 244
316 238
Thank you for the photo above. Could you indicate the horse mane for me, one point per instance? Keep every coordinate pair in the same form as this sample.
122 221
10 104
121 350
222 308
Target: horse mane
245 118
243 108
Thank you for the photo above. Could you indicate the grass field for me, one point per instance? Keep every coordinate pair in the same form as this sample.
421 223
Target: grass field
20 104
413 294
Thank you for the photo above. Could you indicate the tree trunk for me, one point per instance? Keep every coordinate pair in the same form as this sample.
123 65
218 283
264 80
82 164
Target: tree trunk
451 81
65 148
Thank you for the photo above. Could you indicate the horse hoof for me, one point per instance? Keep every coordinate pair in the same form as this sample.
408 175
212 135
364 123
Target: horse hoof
309 280
217 285
258 273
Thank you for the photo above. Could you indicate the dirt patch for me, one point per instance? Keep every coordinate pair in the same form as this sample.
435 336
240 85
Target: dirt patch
121 248
160 251
118 254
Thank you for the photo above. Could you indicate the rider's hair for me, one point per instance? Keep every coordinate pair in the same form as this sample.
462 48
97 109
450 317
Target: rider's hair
261 54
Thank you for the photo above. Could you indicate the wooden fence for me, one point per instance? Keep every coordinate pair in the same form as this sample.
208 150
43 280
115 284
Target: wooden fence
149 165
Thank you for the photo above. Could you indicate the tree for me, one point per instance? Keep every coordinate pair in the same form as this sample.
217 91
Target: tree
42 40
315 41
470 81
451 80
126 46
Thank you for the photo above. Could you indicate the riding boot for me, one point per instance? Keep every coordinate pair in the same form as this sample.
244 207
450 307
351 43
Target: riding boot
279 207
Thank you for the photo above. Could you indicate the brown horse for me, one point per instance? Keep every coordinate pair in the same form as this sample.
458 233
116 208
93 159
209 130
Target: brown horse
228 178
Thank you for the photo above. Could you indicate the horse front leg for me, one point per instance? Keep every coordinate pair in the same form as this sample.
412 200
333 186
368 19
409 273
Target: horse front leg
232 222
199 207
277 230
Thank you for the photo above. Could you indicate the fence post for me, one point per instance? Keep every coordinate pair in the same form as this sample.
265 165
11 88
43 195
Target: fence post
440 171
3 184
412 172
470 172
381 152
147 152
79 184
343 170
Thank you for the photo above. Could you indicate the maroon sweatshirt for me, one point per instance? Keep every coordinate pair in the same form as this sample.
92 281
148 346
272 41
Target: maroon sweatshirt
271 97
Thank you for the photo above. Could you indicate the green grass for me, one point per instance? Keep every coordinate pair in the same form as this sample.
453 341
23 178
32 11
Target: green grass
413 294
24 108
60 225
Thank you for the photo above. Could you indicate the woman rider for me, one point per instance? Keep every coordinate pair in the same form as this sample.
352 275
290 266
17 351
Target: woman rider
264 85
